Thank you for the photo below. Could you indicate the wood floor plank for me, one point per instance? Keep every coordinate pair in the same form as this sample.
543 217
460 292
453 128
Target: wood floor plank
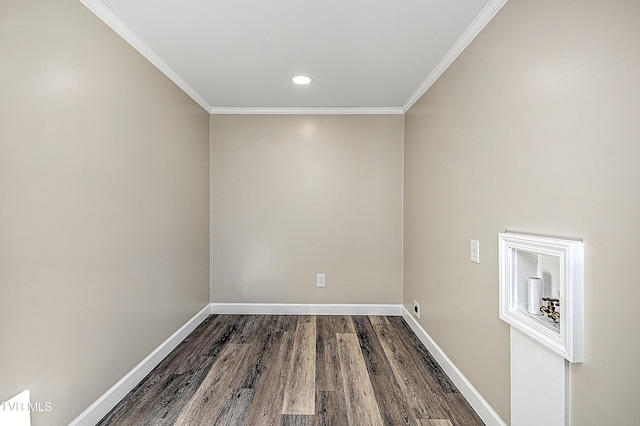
328 376
326 356
133 408
371 350
378 319
286 323
218 334
200 410
179 374
157 390
194 340
437 422
236 411
252 326
362 408
341 323
331 408
414 386
266 407
167 407
300 389
427 366
394 407
296 420
264 343
458 409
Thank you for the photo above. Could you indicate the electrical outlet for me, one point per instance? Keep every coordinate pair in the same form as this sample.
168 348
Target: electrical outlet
475 251
320 280
416 309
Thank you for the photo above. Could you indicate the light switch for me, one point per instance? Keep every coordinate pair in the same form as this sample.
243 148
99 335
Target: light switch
475 251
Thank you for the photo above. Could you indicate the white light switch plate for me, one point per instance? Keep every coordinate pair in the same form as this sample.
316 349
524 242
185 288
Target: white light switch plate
475 251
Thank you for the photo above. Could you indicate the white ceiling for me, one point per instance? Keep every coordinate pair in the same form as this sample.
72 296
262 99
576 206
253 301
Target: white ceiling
239 55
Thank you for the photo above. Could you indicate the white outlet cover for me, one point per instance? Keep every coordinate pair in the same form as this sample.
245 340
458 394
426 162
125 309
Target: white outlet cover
321 281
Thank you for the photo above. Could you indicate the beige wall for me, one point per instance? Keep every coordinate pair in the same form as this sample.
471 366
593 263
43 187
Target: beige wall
104 181
533 129
104 174
297 195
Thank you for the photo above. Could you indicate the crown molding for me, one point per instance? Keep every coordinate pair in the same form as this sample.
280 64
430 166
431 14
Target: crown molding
484 17
108 17
316 111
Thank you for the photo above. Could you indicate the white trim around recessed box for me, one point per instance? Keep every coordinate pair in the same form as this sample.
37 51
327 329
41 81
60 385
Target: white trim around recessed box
567 339
486 14
471 394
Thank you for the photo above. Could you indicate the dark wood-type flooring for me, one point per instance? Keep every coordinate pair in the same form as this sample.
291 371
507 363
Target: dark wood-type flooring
296 370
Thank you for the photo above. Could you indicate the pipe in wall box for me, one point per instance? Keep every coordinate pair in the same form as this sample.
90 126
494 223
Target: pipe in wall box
534 299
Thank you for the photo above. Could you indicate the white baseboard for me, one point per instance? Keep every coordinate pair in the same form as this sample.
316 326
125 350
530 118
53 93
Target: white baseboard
304 309
479 404
113 396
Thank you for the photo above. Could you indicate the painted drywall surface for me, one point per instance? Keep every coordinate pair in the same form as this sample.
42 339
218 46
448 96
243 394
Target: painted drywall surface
104 207
533 129
297 195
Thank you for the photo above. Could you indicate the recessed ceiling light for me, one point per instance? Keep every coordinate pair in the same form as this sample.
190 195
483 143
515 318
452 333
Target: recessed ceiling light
301 79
